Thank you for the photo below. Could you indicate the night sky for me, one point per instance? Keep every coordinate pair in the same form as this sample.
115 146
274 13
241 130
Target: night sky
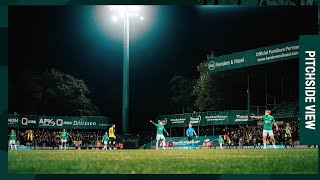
80 41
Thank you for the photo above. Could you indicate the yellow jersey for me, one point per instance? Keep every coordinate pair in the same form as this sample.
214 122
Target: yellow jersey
30 135
288 131
111 132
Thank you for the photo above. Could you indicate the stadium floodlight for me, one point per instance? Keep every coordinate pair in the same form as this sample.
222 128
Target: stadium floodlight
125 13
114 18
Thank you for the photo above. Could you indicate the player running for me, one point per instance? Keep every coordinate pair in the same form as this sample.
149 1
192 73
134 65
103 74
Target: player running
160 129
64 136
12 139
220 140
112 137
190 131
268 121
105 141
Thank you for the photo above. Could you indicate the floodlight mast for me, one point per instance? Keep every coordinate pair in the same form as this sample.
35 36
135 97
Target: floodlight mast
125 12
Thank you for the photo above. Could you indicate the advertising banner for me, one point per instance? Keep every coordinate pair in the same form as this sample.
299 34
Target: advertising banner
58 122
206 118
284 51
233 117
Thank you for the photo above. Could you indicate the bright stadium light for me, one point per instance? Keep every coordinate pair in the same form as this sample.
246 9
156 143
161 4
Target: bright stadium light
125 13
114 18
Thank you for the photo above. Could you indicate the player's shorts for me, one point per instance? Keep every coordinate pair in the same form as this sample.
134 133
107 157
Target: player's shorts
30 137
160 136
266 132
112 140
105 142
190 138
12 142
63 140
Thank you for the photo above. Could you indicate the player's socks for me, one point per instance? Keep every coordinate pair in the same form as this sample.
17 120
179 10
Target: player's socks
15 146
11 147
264 146
192 145
65 147
157 144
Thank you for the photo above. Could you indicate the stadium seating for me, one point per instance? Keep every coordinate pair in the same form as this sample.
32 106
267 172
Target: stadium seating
286 108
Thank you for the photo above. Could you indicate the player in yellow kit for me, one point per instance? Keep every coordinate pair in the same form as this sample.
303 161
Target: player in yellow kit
112 137
288 137
30 136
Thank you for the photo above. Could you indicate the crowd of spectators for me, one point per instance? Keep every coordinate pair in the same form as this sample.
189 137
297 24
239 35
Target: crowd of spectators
236 135
51 138
251 135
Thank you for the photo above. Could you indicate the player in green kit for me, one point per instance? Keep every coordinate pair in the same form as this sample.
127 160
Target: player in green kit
64 136
268 122
220 140
12 140
160 129
105 141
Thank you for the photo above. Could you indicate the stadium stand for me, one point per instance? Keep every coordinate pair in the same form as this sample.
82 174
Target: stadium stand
286 108
87 138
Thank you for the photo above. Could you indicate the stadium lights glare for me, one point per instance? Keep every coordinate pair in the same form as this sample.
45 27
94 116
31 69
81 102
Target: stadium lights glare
126 11
114 18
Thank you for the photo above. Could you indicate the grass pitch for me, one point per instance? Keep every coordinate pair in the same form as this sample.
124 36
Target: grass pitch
215 161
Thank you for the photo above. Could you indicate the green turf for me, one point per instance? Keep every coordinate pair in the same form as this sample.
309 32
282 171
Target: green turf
216 161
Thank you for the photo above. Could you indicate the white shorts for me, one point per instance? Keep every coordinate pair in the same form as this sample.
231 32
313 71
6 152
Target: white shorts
12 142
160 136
105 142
270 132
63 140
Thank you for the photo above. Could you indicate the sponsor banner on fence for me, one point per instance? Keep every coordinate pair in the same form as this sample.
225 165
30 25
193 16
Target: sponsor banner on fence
233 117
54 148
24 148
284 51
205 118
58 122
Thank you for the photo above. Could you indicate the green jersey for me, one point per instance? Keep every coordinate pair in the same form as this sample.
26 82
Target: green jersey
267 122
160 128
13 136
64 135
105 138
220 140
